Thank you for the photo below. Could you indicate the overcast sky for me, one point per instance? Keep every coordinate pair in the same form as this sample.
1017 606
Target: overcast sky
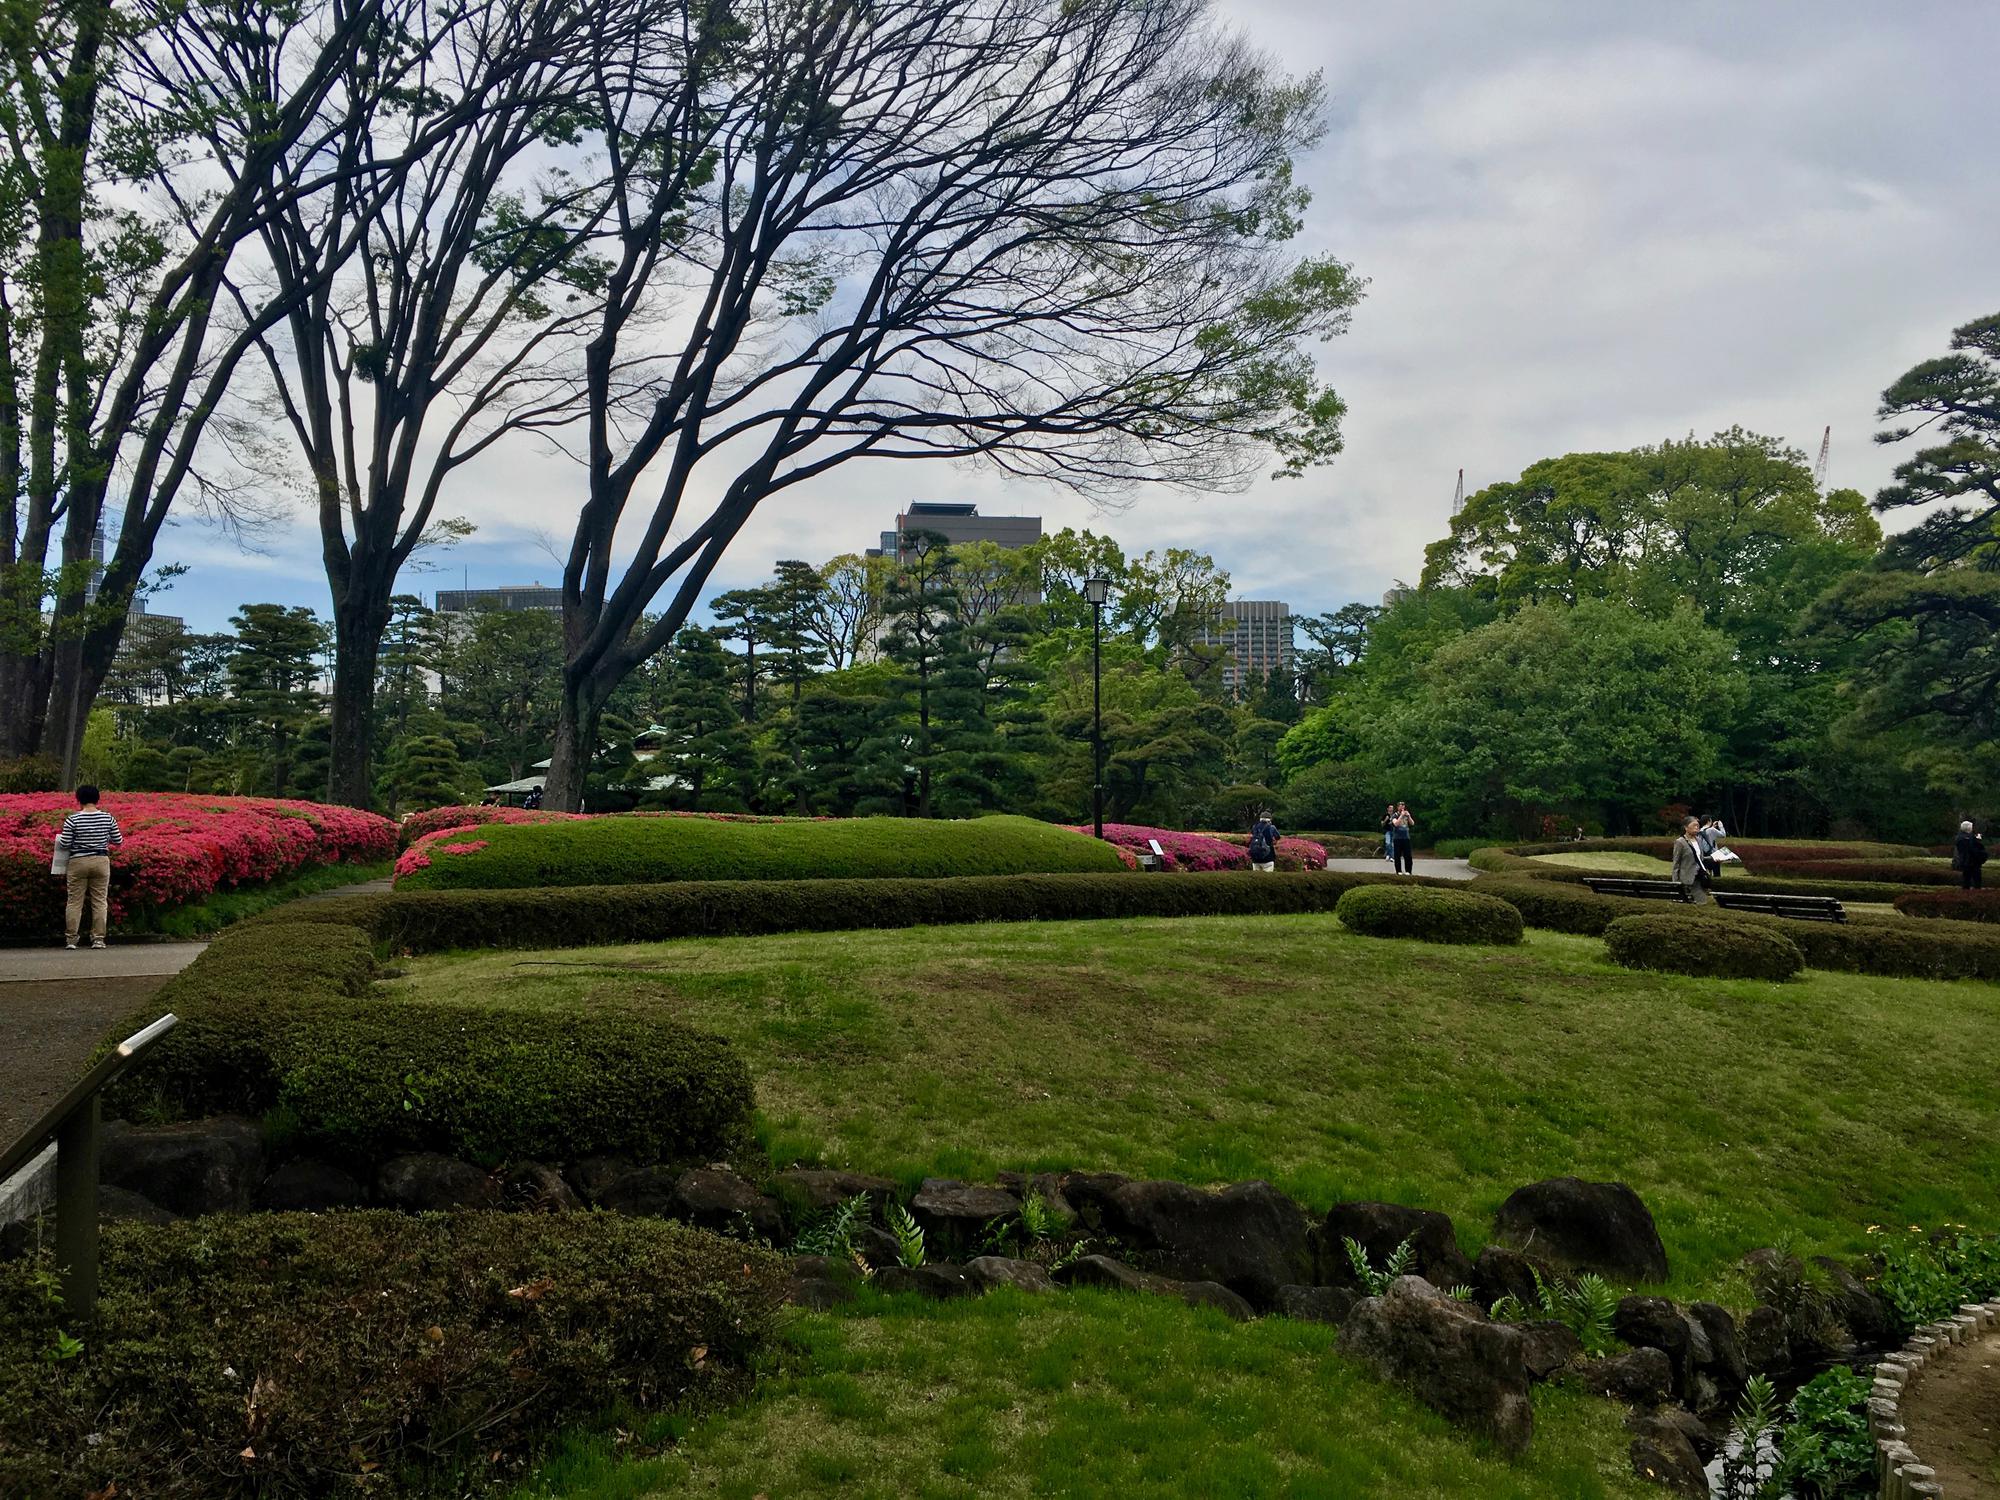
1584 226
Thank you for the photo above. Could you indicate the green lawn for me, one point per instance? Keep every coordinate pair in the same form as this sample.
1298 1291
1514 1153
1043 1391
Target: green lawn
1087 1393
1220 1049
1611 862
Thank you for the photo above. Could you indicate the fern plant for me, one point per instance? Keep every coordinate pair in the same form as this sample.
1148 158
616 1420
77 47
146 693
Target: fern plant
909 1235
1377 1282
832 1233
1042 1220
1586 1307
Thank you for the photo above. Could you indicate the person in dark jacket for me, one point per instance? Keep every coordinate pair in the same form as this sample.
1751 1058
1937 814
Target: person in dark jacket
1689 872
1968 854
1264 838
1402 830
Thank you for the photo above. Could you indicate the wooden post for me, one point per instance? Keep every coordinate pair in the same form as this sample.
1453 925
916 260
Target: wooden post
76 1210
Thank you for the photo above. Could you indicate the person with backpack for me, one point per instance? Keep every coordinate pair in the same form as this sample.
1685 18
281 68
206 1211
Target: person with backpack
1264 838
83 854
1968 855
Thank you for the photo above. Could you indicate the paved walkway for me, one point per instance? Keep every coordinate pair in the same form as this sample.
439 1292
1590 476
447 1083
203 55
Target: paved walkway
1441 869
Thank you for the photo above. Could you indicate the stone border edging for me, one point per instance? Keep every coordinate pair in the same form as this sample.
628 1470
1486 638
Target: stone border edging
1900 1473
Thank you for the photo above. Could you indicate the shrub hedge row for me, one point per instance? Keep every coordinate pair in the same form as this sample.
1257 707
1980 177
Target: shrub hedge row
365 1353
647 850
1961 906
283 1015
1512 863
1430 915
1713 948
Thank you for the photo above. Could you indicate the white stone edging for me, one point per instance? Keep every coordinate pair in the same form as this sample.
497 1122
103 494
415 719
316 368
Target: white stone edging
1900 1473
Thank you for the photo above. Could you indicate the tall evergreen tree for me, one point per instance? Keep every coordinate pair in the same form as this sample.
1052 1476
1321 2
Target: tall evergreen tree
706 745
274 683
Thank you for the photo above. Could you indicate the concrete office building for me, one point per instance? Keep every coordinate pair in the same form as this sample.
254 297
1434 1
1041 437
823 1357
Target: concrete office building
515 597
1257 634
957 522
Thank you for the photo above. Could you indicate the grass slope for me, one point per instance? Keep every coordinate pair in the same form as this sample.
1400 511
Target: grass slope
1337 1066
1609 862
643 850
1089 1393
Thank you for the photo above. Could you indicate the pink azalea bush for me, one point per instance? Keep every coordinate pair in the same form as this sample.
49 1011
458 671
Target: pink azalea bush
1205 851
178 848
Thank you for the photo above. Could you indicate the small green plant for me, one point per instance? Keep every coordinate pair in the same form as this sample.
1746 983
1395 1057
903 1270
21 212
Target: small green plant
1746 1457
909 1235
1459 1293
1928 1276
1378 1282
1585 1307
1824 1451
63 1347
1042 1220
833 1232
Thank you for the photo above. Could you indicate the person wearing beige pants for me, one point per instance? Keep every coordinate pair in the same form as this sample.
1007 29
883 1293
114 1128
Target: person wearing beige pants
89 875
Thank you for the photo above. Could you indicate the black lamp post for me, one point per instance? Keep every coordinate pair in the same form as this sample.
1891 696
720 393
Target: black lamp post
1097 590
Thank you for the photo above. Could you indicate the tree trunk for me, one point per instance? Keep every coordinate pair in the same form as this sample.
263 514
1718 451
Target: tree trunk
576 741
358 623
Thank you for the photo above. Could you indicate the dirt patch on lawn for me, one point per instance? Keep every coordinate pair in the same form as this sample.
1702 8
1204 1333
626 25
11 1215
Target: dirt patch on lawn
1952 1412
48 1029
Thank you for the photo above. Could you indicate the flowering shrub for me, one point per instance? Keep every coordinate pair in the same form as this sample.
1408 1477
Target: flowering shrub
1184 851
178 848
1293 854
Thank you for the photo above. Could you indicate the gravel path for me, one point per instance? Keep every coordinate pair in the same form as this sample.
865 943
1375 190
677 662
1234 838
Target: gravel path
1953 1414
49 1028
1441 869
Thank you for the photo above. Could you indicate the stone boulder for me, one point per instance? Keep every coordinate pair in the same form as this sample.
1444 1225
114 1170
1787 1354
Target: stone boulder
1638 1377
1719 1367
1249 1236
1316 1304
647 1191
1499 1272
1087 1193
939 1281
308 1184
724 1202
1379 1228
537 1187
1449 1355
1103 1271
1655 1323
955 1214
196 1167
877 1246
817 1191
117 1205
1048 1186
995 1271
425 1181
1864 1315
1584 1226
1675 1422
1664 1456
1548 1347
820 1282
591 1176
1766 1346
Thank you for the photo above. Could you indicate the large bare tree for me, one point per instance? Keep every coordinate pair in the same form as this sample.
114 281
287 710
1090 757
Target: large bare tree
1046 234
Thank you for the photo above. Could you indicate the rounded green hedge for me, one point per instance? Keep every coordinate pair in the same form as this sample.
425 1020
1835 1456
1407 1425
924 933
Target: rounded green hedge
1959 906
1428 914
1715 947
645 851
439 1354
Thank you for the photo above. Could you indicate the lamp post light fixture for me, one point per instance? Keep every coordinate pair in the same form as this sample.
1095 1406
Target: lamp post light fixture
1097 591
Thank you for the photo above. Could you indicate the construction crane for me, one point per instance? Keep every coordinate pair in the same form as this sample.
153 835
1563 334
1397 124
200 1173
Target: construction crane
1819 469
1458 495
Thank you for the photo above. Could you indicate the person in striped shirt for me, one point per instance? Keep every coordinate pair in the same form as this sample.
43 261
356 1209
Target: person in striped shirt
89 835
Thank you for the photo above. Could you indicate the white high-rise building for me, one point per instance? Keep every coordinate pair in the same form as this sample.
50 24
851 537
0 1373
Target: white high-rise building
1257 634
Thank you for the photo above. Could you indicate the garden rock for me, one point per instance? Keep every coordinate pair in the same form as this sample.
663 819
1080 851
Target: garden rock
816 1191
1088 1192
1103 1271
1499 1272
1671 1422
591 1176
1860 1311
723 1201
876 1245
1655 1323
1471 1370
1316 1304
958 1212
1380 1227
306 1183
1548 1347
1584 1226
538 1188
1250 1237
942 1282
644 1190
197 1167
1665 1457
1718 1353
117 1205
1048 1186
993 1271
1766 1350
1638 1377
424 1181
820 1282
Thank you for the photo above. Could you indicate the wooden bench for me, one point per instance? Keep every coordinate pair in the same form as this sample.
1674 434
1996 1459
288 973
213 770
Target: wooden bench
1800 908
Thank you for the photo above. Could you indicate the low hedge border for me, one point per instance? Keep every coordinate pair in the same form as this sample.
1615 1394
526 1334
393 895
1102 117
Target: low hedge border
1706 946
1429 915
1512 863
1958 906
373 1351
281 1017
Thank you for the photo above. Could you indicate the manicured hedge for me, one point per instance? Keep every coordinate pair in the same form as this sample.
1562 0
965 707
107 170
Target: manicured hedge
1897 947
1430 915
1904 872
1557 905
366 1353
1960 906
1708 946
633 850
1512 863
283 1015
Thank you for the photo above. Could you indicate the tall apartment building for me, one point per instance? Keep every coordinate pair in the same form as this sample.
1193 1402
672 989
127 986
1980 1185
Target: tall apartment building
1257 634
957 522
